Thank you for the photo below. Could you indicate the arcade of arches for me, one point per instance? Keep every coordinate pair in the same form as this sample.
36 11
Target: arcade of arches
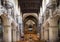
29 20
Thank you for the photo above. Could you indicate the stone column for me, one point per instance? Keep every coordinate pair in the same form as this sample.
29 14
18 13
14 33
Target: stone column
7 27
42 33
14 26
18 33
46 33
44 17
7 33
53 30
22 33
50 14
14 34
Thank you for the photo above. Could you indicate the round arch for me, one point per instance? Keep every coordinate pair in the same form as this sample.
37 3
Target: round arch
30 14
30 18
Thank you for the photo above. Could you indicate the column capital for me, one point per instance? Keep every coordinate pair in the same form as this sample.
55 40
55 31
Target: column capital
51 5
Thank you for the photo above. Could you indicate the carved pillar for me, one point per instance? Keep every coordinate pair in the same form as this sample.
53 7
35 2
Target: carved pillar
7 33
42 33
9 6
7 28
51 14
7 20
14 26
14 34
53 30
18 33
52 6
46 32
45 17
22 34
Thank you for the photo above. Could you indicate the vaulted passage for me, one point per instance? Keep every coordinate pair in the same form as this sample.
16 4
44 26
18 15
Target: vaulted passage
29 20
30 29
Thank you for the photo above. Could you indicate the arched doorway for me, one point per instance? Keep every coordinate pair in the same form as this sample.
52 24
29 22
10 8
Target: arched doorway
30 28
1 30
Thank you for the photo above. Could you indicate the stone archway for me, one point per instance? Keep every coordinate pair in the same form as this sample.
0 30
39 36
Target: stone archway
30 17
30 14
30 23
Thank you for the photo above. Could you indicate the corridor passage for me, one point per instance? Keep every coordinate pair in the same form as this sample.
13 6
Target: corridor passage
29 20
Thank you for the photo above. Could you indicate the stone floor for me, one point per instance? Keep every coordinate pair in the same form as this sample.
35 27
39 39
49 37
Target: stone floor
31 41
